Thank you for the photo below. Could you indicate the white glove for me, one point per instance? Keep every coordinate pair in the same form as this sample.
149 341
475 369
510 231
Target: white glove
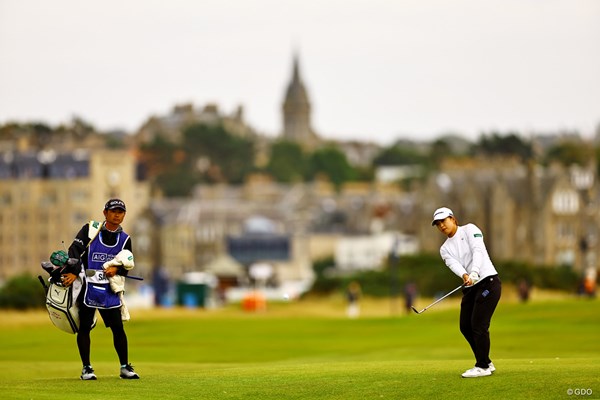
474 277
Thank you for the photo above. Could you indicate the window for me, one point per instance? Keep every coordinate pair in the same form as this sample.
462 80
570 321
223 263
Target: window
565 257
565 231
565 202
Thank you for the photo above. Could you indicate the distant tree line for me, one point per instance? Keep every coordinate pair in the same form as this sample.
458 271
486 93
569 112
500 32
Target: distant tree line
431 278
423 270
212 154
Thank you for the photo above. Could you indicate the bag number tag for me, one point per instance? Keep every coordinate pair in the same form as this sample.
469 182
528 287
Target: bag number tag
98 276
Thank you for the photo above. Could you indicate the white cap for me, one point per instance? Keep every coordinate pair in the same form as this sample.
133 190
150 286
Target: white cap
441 214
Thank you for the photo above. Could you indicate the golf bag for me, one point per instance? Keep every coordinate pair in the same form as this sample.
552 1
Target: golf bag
60 300
62 309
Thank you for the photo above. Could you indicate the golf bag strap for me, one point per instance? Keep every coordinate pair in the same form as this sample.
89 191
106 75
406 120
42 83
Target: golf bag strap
94 229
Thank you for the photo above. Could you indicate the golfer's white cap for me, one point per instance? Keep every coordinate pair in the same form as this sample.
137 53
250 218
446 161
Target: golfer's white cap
440 214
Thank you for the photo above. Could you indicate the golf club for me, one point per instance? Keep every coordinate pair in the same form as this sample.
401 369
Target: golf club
91 272
438 300
43 282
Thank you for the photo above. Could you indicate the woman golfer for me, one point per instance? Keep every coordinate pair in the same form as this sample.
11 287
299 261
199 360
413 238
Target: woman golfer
464 252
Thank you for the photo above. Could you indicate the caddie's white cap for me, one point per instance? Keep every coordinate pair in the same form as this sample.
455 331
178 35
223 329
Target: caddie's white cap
440 214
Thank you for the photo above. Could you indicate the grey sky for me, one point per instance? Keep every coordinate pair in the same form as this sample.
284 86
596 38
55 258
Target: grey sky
374 69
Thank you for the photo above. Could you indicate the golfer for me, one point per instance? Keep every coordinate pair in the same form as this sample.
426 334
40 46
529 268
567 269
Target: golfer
92 252
464 252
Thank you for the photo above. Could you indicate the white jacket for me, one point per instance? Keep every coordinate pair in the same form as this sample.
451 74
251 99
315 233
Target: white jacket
465 252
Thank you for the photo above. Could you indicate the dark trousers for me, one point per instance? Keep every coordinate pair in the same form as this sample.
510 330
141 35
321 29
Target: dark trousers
112 320
476 309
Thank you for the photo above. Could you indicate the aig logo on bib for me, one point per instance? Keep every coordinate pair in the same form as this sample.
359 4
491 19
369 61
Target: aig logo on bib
102 257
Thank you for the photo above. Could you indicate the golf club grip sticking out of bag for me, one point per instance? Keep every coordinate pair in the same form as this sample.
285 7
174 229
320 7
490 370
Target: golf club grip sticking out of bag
91 272
438 300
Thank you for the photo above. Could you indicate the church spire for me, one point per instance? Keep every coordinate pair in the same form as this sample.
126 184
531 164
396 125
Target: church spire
296 110
296 73
296 95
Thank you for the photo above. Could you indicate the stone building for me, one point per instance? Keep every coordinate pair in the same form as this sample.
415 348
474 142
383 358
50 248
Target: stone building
170 127
191 234
529 213
47 196
187 235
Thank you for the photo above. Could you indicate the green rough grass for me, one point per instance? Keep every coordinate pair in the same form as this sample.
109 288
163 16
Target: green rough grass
540 349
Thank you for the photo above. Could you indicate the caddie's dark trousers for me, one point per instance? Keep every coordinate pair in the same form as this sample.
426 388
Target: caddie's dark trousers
112 320
476 309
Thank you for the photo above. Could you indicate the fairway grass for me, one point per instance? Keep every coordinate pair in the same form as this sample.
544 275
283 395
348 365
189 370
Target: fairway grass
308 350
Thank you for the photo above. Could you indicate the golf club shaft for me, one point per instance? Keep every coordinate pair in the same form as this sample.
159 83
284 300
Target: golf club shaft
440 299
43 282
91 272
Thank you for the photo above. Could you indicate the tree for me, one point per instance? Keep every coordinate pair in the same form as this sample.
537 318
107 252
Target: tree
177 182
22 292
510 144
570 152
158 156
399 155
331 162
287 163
80 127
233 155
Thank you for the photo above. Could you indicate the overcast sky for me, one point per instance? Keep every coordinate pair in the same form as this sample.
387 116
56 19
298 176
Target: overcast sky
374 70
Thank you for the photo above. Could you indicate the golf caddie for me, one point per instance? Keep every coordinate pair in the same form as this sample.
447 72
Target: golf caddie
104 253
464 252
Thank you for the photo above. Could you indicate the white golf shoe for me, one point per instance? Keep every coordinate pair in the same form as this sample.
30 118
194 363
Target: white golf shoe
476 372
87 373
127 372
491 367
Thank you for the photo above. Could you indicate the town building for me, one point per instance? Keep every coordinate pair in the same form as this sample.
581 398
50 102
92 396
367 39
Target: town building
47 196
545 216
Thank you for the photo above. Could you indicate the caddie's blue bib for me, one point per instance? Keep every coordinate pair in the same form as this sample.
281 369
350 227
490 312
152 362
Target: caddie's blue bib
98 293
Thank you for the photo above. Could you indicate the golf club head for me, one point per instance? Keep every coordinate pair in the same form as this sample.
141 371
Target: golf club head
438 300
48 266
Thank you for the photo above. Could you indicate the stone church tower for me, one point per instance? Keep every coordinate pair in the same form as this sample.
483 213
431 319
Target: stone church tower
296 113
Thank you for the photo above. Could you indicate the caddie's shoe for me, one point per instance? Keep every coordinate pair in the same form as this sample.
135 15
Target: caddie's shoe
476 372
127 372
87 373
491 367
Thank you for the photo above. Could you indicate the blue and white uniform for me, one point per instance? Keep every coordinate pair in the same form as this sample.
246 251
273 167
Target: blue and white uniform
98 293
